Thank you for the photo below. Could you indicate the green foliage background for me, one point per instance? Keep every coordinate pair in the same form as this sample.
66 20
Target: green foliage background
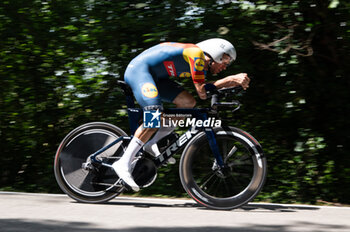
55 56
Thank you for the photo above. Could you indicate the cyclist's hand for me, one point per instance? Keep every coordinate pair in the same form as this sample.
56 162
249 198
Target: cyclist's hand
241 79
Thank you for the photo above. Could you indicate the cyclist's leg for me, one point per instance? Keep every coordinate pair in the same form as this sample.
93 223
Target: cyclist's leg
169 91
146 94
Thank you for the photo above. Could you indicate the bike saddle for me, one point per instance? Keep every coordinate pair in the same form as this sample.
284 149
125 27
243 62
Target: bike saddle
125 87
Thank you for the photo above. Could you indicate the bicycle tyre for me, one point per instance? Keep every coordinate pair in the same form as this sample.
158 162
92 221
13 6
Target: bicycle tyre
80 184
232 187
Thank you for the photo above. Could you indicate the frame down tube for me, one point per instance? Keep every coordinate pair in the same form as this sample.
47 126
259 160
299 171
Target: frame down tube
186 137
175 146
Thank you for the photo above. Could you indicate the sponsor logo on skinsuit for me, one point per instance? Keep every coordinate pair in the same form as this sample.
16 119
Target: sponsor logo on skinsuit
170 68
185 75
149 90
198 64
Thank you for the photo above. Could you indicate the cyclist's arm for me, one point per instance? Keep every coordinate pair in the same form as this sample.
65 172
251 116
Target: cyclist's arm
229 81
196 60
232 81
201 90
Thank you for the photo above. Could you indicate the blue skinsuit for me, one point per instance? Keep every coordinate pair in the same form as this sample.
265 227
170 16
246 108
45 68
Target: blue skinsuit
148 73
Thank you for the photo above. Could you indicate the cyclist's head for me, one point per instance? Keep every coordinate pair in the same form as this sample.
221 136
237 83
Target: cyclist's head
219 50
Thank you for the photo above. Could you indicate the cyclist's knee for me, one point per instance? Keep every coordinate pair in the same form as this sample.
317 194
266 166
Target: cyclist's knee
190 103
185 100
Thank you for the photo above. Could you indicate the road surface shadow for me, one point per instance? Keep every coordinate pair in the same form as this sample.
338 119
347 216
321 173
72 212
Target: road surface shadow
277 207
256 207
21 225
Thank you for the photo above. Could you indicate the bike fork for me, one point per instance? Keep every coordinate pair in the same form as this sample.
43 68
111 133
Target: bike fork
214 146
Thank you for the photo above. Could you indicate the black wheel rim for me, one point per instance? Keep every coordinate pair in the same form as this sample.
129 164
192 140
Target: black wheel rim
227 182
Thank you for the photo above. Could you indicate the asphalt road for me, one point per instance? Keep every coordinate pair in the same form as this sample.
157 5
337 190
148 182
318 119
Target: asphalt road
21 212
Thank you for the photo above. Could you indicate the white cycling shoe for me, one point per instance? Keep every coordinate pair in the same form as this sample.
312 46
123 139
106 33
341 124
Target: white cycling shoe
124 173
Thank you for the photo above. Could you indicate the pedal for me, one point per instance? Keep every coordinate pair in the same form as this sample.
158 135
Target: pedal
125 185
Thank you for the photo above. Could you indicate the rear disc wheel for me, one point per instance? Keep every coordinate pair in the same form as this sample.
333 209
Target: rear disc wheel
94 184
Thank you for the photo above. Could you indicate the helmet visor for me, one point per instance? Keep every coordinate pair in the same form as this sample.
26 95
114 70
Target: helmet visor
226 59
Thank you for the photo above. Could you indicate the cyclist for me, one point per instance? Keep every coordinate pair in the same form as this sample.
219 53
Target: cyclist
148 76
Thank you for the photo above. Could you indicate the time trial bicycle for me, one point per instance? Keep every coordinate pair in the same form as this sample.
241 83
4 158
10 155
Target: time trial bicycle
220 167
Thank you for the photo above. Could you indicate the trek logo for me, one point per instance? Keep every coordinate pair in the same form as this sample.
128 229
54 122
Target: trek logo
151 119
170 68
183 139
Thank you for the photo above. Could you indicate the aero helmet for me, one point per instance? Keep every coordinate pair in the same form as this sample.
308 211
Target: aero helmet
217 47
